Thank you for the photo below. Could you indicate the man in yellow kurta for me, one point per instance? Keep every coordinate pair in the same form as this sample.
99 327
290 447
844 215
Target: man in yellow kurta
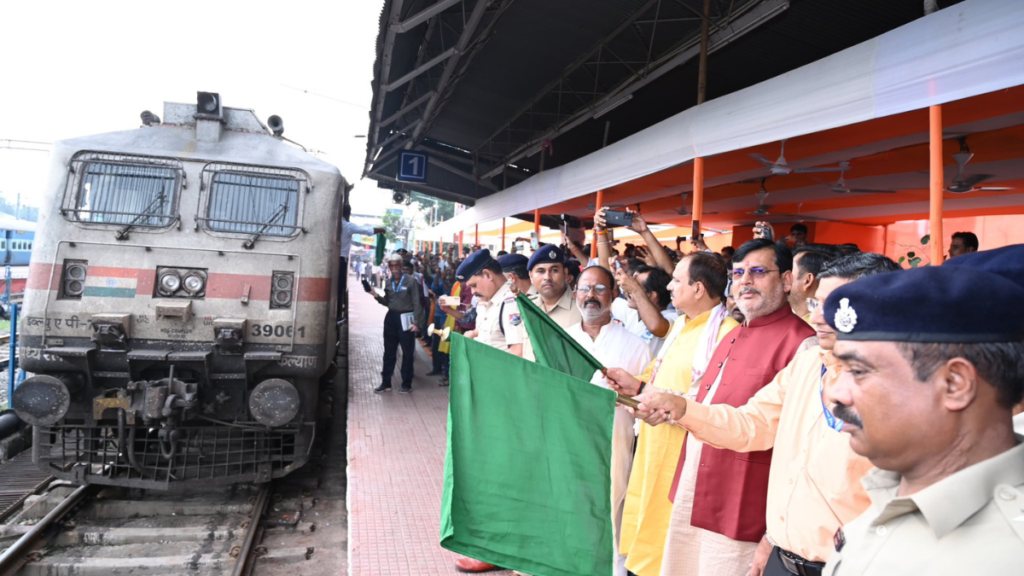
698 287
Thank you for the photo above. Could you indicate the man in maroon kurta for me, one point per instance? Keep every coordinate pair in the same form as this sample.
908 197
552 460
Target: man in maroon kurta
721 491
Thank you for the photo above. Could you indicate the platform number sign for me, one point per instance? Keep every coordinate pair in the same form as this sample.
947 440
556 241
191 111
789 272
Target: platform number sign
412 166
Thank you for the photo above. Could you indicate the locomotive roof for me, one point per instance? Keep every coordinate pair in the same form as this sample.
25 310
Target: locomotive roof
243 137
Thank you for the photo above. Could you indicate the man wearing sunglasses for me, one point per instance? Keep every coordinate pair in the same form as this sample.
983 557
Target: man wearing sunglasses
814 485
611 344
719 499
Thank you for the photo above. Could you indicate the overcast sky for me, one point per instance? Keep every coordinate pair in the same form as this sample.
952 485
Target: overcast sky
77 68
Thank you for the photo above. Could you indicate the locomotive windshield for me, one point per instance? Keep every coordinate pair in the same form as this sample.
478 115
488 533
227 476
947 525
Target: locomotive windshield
253 203
123 193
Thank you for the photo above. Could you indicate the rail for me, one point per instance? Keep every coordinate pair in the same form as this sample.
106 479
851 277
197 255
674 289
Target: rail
21 551
48 531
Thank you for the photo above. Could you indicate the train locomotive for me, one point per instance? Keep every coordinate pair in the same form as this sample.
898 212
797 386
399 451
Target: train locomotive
179 311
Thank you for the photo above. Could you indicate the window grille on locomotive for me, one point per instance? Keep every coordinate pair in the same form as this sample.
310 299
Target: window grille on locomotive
134 191
252 200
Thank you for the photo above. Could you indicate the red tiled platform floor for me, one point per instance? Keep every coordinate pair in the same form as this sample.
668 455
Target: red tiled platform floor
396 449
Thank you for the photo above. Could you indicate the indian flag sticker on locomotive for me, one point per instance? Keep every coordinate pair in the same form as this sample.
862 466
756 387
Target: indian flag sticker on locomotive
110 287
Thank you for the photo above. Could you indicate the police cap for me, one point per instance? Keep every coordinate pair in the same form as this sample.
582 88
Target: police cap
510 261
473 264
936 304
548 254
1007 262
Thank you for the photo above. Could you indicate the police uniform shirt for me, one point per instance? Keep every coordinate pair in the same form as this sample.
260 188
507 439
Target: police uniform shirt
971 522
498 322
565 312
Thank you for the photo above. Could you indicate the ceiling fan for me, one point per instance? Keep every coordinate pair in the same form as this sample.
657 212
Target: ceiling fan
762 209
963 184
684 209
840 187
781 168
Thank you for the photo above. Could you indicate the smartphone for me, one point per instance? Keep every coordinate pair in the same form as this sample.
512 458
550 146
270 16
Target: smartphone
766 231
449 301
534 241
618 218
366 286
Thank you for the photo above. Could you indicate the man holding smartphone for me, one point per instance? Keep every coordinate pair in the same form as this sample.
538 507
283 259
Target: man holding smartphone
401 296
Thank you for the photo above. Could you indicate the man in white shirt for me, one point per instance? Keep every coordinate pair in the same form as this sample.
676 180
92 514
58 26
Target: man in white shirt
348 229
645 309
612 345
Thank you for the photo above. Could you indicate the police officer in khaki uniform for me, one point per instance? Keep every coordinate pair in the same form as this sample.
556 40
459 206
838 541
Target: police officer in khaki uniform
498 322
933 363
551 283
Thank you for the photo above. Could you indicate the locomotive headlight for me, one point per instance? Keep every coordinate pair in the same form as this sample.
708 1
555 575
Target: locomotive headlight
73 285
282 285
194 283
169 283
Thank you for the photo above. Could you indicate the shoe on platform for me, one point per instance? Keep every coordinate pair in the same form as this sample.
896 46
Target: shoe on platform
383 388
434 373
444 381
405 390
466 564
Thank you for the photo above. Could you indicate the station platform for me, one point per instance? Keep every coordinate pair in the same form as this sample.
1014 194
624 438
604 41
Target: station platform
396 451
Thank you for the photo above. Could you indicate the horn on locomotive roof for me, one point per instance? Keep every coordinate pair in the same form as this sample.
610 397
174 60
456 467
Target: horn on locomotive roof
276 125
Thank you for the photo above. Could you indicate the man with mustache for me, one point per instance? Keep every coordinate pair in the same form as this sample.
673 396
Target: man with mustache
611 344
928 383
814 480
498 324
547 273
718 514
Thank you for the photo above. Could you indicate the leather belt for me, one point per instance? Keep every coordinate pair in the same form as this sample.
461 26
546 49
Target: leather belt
799 565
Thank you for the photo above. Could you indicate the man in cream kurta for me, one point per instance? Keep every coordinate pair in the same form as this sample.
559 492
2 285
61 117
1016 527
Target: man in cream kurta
688 346
612 345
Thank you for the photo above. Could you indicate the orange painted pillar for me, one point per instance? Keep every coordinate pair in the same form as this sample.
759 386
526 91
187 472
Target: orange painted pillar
698 193
935 183
460 243
598 202
502 233
440 249
536 223
476 235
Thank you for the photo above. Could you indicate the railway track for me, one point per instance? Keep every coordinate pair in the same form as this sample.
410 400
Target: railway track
94 531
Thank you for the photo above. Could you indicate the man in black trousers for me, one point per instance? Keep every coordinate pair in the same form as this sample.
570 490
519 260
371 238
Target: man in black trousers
401 296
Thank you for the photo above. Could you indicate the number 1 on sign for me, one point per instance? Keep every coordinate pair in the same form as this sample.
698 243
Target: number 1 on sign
414 163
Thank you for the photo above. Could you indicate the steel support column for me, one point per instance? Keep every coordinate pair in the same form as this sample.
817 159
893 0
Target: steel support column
502 233
935 183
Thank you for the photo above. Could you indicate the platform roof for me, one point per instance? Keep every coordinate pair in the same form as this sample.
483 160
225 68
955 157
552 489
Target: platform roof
521 58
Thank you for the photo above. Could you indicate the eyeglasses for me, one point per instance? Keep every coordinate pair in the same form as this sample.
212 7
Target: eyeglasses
756 272
598 289
812 304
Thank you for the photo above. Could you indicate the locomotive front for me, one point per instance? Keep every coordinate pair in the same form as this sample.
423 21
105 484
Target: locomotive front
179 312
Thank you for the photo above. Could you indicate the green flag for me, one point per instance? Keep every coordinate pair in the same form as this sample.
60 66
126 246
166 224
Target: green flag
552 346
381 241
527 479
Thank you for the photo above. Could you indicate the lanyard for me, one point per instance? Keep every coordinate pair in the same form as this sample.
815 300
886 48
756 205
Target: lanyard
394 287
833 422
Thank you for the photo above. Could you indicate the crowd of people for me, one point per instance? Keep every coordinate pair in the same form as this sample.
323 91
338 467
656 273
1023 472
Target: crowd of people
804 408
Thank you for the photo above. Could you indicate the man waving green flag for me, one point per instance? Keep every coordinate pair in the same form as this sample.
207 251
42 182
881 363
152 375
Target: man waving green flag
527 478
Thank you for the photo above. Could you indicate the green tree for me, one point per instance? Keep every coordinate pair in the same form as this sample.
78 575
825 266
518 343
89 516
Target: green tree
445 208
392 226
